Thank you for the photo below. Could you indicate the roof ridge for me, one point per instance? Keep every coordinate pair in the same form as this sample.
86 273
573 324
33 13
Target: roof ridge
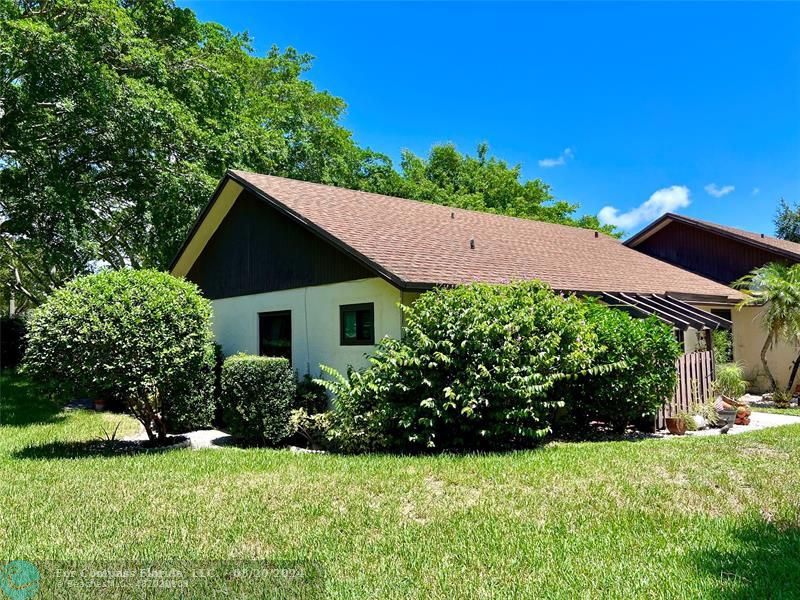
424 203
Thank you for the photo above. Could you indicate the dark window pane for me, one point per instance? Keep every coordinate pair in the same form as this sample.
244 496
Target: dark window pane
725 313
350 324
275 334
357 324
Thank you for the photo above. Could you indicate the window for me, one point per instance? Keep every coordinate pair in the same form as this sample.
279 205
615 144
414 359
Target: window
725 313
275 334
357 324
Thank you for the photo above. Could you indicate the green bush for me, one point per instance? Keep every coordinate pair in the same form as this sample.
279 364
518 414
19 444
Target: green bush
649 350
723 346
729 380
257 396
141 336
313 428
310 396
476 368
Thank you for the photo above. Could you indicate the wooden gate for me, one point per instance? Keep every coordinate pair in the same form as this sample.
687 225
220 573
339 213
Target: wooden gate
695 376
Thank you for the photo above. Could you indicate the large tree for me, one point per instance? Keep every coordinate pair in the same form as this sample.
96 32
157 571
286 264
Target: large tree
787 221
480 182
118 117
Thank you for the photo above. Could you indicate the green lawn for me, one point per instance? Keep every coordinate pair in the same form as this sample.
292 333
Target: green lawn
716 517
794 411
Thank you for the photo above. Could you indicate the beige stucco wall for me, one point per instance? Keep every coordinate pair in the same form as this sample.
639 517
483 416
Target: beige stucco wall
315 321
748 338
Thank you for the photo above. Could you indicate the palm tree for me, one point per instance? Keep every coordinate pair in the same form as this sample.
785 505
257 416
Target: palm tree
776 287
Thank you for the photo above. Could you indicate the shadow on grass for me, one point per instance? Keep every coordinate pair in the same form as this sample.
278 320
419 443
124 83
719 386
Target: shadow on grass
98 448
22 403
761 563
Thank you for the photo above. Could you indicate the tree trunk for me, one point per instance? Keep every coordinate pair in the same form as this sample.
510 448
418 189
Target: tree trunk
793 374
767 343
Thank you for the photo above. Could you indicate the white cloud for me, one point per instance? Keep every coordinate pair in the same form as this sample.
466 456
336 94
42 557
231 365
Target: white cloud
662 201
557 162
756 191
718 192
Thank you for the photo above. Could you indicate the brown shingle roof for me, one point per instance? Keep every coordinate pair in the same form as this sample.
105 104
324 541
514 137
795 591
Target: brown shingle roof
420 244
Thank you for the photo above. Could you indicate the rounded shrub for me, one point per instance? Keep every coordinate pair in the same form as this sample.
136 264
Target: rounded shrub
476 367
141 336
257 393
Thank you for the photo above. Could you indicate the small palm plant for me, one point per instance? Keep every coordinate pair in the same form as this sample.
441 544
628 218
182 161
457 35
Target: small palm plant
776 287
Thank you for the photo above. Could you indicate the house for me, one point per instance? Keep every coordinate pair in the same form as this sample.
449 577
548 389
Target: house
316 273
725 254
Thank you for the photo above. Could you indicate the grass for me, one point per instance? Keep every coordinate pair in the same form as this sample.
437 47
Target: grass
714 517
794 411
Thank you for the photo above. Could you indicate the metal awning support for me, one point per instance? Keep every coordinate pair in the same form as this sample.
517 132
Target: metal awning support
670 310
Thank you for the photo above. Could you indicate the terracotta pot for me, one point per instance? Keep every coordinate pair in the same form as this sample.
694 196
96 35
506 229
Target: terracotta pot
676 425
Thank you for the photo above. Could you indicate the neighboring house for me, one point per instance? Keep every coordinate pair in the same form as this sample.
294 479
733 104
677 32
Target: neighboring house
725 254
316 273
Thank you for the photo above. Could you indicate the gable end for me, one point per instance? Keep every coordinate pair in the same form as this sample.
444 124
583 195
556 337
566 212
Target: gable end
257 249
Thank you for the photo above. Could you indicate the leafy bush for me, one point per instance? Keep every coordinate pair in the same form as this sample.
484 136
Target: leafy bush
12 342
476 368
257 395
782 398
729 380
310 396
723 346
313 428
142 336
639 388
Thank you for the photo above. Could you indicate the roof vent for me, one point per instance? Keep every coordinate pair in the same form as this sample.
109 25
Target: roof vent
472 244
762 235
452 215
597 235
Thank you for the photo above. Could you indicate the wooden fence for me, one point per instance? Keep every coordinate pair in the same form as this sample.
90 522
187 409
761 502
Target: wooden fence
695 376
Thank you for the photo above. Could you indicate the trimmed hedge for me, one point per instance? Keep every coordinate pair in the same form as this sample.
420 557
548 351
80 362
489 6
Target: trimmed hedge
491 366
143 337
257 393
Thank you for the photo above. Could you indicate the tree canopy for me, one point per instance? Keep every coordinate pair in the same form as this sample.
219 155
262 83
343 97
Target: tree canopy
118 117
787 221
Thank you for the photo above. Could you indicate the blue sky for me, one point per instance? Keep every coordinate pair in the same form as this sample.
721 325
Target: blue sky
627 109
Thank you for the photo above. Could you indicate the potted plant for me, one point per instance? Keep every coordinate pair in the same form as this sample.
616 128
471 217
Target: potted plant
676 425
727 413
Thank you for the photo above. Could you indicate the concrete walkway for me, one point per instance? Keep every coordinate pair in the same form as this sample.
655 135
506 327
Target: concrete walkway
203 438
758 420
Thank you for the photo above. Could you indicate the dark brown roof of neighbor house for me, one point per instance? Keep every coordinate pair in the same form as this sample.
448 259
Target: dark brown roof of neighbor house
760 240
419 245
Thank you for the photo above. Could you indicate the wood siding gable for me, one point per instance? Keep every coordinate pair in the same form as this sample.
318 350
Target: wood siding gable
705 253
257 249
